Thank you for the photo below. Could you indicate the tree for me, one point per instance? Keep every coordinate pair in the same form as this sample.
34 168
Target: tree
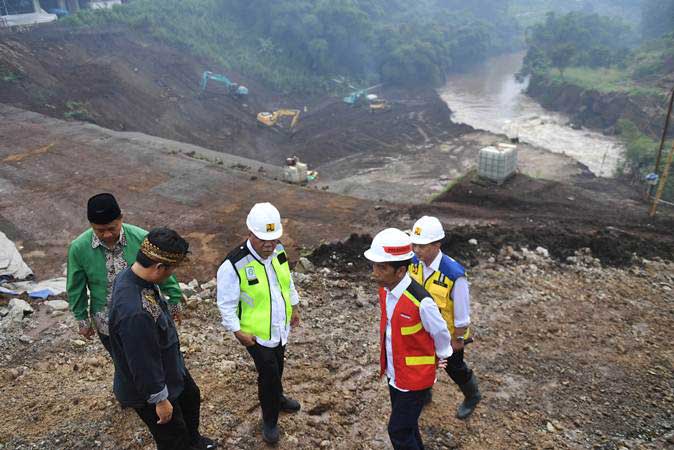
561 56
657 18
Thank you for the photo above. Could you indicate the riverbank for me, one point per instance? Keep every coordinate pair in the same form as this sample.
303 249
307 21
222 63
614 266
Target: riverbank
601 109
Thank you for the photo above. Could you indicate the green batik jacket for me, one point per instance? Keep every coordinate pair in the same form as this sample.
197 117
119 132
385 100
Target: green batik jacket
88 266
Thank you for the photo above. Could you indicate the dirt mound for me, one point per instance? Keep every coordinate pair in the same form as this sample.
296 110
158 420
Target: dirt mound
335 129
600 215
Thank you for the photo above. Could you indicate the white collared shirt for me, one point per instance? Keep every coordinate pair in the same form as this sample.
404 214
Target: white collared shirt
228 297
431 320
460 293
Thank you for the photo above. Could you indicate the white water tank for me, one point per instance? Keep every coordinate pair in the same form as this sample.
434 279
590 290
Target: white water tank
296 174
498 163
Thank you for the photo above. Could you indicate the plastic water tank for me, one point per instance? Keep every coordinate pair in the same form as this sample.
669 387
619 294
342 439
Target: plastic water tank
498 163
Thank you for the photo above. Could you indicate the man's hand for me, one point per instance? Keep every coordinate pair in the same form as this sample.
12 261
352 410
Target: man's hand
442 363
164 410
245 339
177 317
87 332
457 344
295 318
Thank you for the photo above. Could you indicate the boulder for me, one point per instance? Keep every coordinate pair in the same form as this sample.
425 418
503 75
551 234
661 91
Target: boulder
22 305
57 305
304 266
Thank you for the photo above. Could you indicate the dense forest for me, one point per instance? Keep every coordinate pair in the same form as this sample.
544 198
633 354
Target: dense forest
304 44
580 40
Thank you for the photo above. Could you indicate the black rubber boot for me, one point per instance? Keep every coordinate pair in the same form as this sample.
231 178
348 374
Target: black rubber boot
289 405
472 395
270 433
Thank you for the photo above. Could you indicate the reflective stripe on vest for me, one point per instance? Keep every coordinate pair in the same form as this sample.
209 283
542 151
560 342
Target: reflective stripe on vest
440 288
413 347
255 304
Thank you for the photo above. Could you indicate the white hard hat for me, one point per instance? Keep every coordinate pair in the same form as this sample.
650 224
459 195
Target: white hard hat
389 245
426 230
264 221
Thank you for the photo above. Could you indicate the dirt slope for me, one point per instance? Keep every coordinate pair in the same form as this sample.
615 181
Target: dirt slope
125 81
48 168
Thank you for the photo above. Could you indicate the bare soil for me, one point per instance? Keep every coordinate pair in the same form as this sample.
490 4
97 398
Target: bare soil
572 350
568 356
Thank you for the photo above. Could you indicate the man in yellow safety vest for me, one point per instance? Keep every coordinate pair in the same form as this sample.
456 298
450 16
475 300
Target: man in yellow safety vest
445 279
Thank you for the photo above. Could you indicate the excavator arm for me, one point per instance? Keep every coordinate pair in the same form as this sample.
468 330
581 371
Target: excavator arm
271 119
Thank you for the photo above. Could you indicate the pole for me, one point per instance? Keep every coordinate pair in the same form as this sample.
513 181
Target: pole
663 182
664 132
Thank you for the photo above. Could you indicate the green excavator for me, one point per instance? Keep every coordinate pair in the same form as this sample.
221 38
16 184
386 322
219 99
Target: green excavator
233 89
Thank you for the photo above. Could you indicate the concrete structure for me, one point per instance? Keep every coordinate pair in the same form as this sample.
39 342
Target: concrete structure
23 12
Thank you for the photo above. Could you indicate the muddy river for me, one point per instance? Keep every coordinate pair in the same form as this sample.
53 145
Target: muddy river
489 98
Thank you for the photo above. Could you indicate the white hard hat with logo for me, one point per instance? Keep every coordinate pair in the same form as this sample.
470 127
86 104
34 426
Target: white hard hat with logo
389 245
264 221
426 230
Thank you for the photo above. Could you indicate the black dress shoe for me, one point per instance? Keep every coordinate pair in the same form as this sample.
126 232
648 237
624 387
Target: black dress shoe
205 444
270 434
289 405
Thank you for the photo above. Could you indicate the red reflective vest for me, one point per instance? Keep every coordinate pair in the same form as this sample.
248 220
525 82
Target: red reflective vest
413 347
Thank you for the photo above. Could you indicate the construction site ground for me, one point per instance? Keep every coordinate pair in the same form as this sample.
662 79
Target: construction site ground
124 81
572 350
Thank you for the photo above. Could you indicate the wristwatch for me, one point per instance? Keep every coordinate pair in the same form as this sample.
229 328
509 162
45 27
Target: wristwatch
460 338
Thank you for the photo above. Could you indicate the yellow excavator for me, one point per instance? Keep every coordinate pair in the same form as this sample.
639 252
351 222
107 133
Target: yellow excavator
271 118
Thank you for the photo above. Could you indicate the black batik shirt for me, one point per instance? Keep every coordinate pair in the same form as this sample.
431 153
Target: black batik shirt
149 367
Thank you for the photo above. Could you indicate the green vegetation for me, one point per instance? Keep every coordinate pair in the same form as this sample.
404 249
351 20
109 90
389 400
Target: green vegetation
603 79
657 18
9 77
531 12
77 111
641 153
9 74
577 39
603 53
304 44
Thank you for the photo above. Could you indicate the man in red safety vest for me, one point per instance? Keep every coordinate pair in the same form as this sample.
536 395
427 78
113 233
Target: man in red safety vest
413 335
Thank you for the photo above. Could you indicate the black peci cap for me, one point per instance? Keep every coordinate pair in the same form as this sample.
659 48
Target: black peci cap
103 209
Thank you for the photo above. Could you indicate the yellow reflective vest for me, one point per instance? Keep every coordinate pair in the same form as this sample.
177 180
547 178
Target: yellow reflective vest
255 302
440 285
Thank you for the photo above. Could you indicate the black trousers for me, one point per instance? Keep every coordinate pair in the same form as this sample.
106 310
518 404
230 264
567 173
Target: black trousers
269 365
457 369
183 430
403 425
105 340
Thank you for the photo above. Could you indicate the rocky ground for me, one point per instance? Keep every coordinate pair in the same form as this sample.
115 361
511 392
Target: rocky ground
571 280
570 354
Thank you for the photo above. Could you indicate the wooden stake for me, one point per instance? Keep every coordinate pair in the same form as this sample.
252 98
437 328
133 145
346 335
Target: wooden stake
663 182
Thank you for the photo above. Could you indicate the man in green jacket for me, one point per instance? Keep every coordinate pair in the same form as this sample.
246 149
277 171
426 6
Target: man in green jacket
94 260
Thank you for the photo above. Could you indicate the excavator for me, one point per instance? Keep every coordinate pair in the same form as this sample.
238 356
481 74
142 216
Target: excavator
357 97
271 118
233 89
379 105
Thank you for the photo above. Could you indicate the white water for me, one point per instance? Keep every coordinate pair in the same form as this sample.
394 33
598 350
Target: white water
489 98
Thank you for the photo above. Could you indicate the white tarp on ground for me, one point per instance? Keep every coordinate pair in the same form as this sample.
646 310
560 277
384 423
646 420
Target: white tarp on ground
99 4
11 262
40 16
